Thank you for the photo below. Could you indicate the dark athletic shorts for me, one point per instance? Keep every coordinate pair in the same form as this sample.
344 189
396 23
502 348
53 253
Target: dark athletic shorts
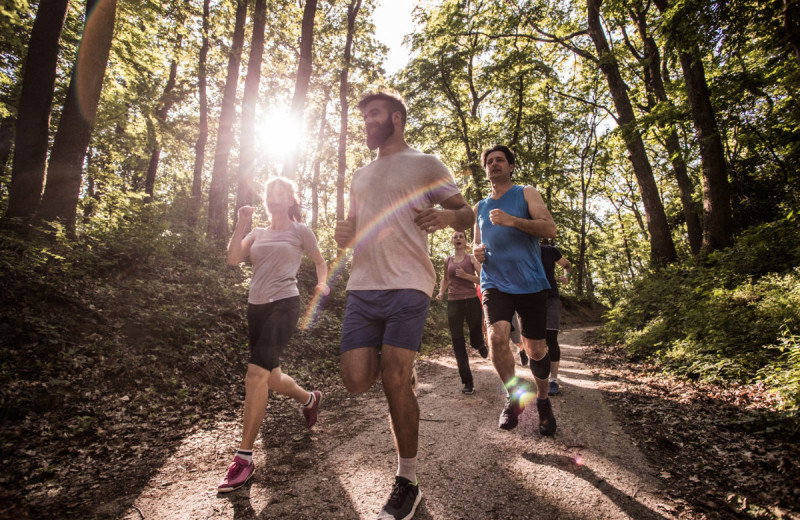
532 310
393 317
554 313
270 327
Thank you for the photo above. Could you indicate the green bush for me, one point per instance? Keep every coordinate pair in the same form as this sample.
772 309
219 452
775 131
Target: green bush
732 316
783 376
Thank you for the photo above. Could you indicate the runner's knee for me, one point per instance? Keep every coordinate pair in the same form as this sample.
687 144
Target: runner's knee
541 368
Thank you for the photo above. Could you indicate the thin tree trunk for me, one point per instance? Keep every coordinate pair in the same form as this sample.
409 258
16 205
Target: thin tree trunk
791 24
318 162
518 119
165 103
33 115
352 13
475 168
245 191
625 244
202 135
717 217
652 63
62 189
7 125
92 192
218 191
586 181
662 249
303 80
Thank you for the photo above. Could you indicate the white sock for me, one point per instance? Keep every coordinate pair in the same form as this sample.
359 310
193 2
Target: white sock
310 400
407 468
553 379
245 454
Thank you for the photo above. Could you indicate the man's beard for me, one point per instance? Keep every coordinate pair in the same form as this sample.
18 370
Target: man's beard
380 135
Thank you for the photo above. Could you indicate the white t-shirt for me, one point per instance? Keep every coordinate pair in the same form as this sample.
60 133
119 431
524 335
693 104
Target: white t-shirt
391 252
276 257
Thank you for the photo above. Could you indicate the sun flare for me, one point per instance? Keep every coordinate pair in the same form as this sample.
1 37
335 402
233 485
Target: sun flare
278 133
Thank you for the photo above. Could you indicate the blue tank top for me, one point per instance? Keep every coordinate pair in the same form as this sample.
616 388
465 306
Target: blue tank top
513 259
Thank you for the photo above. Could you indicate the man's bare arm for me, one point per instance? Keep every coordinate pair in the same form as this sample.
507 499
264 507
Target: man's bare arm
540 224
456 213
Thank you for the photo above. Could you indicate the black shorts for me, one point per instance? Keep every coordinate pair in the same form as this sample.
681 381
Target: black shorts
531 307
270 327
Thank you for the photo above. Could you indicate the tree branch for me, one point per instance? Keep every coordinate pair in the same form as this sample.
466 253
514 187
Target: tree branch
591 103
553 38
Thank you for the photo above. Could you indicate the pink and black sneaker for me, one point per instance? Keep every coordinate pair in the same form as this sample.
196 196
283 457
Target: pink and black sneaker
239 472
310 412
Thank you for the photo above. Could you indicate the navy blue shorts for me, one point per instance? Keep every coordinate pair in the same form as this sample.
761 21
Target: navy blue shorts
531 308
393 317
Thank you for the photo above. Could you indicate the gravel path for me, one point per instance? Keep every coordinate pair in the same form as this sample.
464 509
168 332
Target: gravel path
468 469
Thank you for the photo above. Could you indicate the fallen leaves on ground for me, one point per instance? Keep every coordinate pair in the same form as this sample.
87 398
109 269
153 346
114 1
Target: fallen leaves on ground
720 451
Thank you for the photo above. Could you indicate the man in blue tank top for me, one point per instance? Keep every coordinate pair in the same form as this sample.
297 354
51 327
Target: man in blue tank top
508 226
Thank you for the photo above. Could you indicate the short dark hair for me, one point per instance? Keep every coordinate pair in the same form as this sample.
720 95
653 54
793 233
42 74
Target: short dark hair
510 157
393 99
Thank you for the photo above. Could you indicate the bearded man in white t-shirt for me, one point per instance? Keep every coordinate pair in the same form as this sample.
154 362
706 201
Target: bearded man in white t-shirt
393 208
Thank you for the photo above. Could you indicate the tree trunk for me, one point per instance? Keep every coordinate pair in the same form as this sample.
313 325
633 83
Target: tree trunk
791 24
586 181
352 13
245 190
474 193
33 115
7 125
165 104
303 79
624 233
62 189
717 218
652 63
202 134
318 162
662 249
518 119
218 191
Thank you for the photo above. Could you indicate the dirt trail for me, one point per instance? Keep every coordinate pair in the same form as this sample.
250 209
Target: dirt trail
469 468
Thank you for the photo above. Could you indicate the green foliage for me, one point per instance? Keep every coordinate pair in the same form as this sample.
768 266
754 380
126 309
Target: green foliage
110 309
783 376
720 319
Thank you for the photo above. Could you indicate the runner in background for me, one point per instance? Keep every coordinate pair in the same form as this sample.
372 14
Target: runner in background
550 257
461 273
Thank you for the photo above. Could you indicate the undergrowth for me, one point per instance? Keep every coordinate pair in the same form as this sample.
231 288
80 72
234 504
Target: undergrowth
733 316
134 326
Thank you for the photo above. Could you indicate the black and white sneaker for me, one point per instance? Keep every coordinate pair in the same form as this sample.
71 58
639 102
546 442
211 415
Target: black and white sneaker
402 502
468 389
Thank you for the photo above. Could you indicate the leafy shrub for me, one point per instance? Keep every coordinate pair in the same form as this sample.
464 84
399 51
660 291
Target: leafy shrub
720 318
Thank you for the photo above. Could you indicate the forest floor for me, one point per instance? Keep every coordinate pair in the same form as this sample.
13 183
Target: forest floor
629 445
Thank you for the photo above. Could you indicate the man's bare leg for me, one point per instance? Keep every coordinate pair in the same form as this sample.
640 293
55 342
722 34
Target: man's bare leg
500 350
359 368
396 365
